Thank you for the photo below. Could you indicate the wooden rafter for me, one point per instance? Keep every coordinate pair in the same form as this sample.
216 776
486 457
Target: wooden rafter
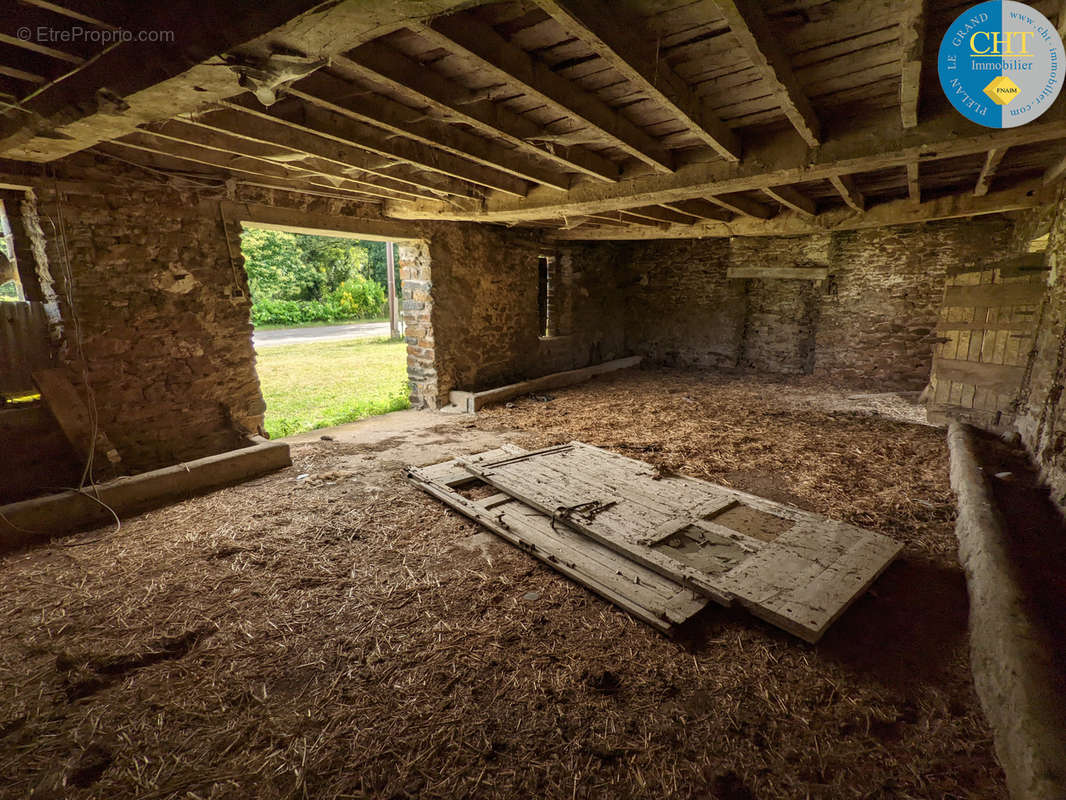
988 171
749 25
455 103
912 46
337 95
876 142
620 40
845 186
90 14
40 49
789 197
467 35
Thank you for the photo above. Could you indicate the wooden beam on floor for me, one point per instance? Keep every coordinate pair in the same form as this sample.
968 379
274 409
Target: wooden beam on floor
896 212
988 171
619 38
335 94
701 209
747 22
745 206
845 186
912 47
473 38
456 103
787 196
873 143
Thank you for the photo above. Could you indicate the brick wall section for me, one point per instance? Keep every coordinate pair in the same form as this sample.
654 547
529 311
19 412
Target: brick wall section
871 325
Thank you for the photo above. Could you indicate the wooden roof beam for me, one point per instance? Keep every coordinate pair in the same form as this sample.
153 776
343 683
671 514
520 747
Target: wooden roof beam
702 209
988 171
455 103
749 25
342 97
912 46
1055 171
845 186
619 39
789 197
346 158
40 49
327 122
473 38
870 144
89 13
896 212
746 207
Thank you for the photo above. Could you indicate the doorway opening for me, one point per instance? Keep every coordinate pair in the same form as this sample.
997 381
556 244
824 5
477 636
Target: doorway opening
328 333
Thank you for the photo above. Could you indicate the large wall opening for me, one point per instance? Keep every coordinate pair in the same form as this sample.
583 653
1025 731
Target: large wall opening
327 331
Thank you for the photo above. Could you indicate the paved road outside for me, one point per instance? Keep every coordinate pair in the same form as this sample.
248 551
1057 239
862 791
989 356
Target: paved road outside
324 333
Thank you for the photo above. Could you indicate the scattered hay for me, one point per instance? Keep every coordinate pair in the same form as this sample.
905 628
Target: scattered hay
290 639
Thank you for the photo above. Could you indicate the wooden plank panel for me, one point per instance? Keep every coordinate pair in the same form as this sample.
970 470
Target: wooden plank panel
994 295
997 377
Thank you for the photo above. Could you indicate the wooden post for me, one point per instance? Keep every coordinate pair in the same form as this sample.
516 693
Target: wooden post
394 317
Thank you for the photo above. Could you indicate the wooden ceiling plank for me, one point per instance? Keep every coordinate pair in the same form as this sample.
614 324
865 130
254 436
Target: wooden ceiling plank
474 39
336 94
845 186
749 25
402 74
912 41
988 171
787 196
620 40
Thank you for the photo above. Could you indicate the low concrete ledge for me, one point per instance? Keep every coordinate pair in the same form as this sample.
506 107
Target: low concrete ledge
1012 664
36 520
474 401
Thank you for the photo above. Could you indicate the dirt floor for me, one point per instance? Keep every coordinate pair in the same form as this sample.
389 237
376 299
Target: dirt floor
331 632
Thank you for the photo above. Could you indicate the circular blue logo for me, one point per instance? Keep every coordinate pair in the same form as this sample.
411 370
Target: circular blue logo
1001 64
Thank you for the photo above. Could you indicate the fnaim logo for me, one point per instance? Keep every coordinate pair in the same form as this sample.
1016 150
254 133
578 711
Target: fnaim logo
1001 64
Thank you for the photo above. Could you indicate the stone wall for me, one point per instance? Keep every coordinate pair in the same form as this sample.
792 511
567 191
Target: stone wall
872 324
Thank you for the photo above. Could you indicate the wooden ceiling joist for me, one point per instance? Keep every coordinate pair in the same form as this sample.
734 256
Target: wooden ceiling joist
93 13
988 171
387 66
701 209
749 25
845 186
912 46
790 198
324 121
337 95
620 40
877 142
466 35
246 119
662 214
40 49
188 133
745 206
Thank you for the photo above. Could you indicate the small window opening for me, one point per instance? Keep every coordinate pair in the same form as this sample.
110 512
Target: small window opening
10 284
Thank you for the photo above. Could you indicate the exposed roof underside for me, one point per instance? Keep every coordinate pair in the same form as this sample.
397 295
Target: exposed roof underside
588 118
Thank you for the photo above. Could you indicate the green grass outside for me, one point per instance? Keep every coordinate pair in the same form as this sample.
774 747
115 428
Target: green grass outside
321 324
321 384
